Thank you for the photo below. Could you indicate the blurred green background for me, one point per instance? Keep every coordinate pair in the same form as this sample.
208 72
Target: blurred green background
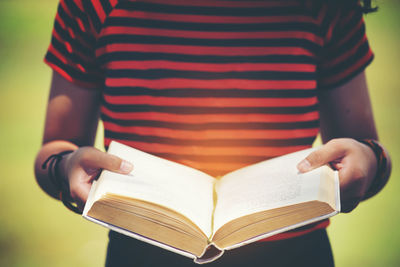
37 231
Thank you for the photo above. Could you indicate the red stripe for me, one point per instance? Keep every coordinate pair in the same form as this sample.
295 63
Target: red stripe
79 4
113 2
99 10
209 18
213 118
60 21
204 50
213 134
210 101
155 148
213 3
322 14
212 35
57 54
209 67
329 32
179 83
80 24
66 9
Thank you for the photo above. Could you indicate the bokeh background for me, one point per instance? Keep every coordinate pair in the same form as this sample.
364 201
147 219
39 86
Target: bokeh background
36 230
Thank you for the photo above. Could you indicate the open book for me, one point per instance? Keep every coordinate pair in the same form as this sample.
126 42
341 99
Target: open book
191 213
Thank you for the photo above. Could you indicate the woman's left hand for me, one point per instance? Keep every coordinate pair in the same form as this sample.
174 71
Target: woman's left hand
356 163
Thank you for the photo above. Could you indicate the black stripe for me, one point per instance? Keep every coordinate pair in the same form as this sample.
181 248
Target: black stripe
76 11
244 42
215 125
210 110
202 75
116 56
192 92
209 142
212 27
213 10
94 18
106 6
244 159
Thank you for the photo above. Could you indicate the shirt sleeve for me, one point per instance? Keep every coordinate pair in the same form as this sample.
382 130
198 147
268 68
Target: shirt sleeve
72 49
346 51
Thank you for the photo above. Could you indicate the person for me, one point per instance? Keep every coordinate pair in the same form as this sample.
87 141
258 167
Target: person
216 85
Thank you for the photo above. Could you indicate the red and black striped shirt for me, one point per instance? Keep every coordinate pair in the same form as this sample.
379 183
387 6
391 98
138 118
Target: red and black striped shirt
213 84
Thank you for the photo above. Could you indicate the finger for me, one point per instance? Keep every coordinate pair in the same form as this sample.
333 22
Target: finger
350 190
329 152
80 193
98 159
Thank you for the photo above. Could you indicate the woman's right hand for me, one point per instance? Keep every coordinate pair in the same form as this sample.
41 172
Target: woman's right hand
83 165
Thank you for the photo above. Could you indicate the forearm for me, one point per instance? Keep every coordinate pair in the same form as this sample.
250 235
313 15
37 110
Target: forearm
42 175
346 112
71 122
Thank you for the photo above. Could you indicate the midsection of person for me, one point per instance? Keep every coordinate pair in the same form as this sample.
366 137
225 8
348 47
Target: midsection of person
215 85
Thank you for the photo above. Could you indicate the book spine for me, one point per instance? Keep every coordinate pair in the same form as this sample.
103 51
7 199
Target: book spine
210 254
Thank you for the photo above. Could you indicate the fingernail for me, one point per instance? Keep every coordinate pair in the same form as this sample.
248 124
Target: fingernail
126 166
304 165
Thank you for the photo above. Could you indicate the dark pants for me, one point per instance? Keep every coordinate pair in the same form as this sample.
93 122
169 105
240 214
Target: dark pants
312 249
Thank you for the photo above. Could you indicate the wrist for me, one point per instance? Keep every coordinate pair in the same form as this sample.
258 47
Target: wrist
371 165
62 170
52 165
61 182
382 170
51 170
42 175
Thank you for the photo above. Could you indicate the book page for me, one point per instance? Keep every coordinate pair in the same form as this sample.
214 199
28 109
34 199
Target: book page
166 183
270 184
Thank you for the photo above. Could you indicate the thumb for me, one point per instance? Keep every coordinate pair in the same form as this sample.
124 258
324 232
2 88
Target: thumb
325 154
107 161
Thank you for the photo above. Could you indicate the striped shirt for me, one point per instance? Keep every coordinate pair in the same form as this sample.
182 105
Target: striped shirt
213 84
